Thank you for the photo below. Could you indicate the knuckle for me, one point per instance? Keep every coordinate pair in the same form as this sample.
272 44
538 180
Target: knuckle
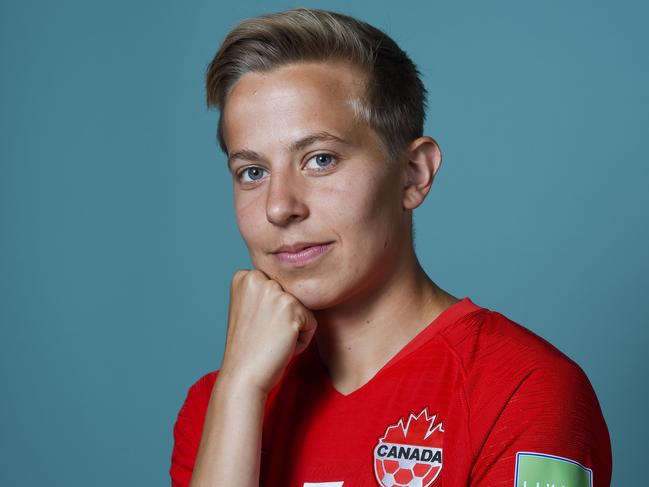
273 285
256 273
286 300
257 279
238 276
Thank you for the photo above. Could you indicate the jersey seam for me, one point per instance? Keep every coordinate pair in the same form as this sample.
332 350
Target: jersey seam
465 396
498 416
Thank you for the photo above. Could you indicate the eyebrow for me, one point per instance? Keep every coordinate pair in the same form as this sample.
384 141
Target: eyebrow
298 145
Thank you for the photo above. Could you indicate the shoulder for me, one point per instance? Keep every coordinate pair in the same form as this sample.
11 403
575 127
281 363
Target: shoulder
205 382
188 428
488 341
199 391
524 395
192 412
507 366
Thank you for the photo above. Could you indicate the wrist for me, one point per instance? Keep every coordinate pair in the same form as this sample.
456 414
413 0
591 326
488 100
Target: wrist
238 384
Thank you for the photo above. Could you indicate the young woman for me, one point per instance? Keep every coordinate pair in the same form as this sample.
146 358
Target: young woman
345 364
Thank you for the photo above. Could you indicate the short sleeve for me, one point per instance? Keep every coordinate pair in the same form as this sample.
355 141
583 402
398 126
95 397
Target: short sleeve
188 429
550 431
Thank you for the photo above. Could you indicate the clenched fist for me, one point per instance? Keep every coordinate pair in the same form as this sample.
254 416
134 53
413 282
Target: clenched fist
266 327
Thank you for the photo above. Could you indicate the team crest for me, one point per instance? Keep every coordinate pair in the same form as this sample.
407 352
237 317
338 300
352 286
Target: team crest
410 455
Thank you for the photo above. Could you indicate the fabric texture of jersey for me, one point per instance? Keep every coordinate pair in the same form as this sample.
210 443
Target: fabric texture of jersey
466 399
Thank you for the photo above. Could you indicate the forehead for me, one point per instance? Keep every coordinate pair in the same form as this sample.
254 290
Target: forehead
286 103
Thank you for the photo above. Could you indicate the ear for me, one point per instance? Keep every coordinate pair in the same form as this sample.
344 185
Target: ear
423 160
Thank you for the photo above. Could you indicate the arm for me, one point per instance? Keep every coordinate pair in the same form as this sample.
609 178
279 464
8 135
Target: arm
219 427
230 447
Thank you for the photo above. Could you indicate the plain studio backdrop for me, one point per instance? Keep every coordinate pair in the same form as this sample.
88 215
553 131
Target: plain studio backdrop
117 232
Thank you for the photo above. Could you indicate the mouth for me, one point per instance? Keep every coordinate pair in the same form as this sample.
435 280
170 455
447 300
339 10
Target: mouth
303 254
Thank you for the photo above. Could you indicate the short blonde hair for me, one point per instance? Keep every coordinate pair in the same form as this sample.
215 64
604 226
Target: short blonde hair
394 100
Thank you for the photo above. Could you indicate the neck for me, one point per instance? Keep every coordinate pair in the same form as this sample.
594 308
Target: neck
357 337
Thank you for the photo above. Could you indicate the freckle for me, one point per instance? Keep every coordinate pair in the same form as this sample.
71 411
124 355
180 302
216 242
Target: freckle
386 243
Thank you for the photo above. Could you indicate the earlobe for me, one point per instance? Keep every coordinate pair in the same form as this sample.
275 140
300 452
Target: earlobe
423 162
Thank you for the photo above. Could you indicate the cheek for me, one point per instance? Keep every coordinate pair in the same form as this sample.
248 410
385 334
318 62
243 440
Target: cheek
359 214
247 213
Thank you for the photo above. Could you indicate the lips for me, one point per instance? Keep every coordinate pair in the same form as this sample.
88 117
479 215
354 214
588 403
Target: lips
298 246
306 255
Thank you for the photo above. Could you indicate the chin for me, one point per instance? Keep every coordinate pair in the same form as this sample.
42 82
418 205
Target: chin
313 289
309 292
315 302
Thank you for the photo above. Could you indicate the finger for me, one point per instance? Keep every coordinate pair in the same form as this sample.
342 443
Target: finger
306 333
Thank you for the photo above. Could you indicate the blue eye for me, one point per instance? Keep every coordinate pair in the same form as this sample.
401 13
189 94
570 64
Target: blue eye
323 158
323 161
250 171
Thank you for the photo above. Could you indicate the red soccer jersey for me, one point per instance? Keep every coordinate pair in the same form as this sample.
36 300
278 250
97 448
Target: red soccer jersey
474 399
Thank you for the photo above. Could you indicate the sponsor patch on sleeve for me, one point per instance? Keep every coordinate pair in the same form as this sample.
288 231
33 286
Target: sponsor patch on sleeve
541 470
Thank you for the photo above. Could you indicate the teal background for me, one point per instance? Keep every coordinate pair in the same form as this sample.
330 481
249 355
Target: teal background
118 239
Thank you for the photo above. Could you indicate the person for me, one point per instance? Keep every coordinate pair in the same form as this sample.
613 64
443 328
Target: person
345 364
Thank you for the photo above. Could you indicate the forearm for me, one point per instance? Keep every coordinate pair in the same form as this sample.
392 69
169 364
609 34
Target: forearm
230 449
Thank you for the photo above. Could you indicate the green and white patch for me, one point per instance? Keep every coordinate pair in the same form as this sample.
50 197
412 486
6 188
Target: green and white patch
543 470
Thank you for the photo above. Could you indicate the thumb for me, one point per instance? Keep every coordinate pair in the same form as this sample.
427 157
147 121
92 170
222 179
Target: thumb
306 333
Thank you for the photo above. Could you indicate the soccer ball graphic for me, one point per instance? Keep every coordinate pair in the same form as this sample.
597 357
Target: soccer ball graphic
410 455
400 475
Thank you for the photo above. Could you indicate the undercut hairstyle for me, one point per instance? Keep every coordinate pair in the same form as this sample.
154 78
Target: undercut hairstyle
393 100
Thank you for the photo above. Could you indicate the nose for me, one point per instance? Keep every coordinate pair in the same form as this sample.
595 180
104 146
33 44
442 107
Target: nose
284 201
